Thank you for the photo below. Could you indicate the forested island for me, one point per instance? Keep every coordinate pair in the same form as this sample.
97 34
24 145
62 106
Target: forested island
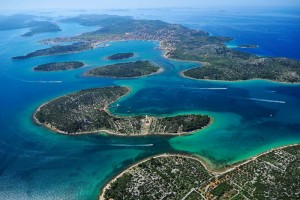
120 56
86 112
59 66
124 70
58 49
183 43
271 175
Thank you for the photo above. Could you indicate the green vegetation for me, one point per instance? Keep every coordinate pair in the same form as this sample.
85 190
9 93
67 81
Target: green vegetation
119 56
185 123
170 177
193 196
276 69
188 44
119 187
273 175
72 48
85 111
124 70
59 66
220 190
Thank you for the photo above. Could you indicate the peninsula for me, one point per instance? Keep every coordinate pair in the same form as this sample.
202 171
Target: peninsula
86 112
59 66
271 175
124 70
275 69
183 43
120 56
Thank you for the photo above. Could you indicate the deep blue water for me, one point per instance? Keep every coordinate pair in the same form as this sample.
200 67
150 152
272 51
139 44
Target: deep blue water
250 117
276 31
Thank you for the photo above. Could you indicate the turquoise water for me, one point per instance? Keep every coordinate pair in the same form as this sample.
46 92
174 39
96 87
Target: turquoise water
249 117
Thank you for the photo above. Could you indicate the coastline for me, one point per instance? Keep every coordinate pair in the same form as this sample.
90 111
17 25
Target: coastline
233 166
165 52
122 59
63 132
55 54
84 66
235 81
151 134
201 160
101 195
202 64
108 131
160 70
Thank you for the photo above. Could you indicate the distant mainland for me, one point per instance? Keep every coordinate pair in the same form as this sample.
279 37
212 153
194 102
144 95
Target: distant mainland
181 43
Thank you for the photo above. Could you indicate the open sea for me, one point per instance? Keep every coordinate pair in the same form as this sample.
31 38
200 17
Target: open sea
250 117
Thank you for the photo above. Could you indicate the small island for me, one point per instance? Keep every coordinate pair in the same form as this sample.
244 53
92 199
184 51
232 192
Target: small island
120 56
59 66
124 70
56 50
271 175
86 111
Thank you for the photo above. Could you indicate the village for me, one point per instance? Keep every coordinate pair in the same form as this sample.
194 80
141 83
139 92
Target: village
271 175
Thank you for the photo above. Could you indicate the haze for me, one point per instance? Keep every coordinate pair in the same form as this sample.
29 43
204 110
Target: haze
134 4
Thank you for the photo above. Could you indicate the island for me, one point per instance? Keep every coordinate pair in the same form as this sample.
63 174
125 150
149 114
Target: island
271 175
59 66
20 21
120 56
124 70
41 27
86 111
57 49
183 43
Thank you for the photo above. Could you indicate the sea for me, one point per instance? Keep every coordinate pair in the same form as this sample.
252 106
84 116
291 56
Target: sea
250 117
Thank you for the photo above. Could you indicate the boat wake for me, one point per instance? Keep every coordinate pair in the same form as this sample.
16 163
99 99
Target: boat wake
209 88
27 81
262 100
132 145
266 100
30 81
